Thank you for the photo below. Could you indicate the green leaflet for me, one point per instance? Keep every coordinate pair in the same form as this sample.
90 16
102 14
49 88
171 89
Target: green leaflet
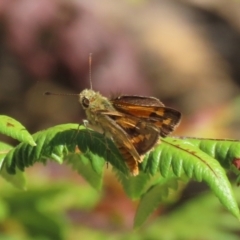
82 164
4 149
224 150
200 217
133 186
16 130
18 179
153 197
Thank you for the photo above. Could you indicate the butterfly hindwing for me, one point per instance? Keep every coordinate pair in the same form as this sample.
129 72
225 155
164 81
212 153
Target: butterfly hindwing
142 134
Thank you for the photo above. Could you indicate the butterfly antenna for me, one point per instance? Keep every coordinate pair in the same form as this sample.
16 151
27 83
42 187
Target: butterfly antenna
90 69
61 94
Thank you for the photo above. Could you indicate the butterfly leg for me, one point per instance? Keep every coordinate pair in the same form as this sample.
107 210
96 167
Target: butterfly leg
74 136
107 147
85 123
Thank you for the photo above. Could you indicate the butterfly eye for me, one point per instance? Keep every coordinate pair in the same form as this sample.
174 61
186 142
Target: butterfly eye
85 102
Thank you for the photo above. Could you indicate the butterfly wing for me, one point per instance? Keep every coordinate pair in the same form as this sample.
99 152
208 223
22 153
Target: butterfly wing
133 136
150 109
142 134
121 138
129 159
137 101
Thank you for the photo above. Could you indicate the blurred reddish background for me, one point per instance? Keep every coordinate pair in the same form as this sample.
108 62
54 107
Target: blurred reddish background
185 52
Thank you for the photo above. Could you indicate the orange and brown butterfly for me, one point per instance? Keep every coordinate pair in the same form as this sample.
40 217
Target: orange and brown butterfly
134 123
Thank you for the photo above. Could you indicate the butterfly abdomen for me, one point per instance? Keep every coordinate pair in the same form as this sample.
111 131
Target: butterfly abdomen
129 160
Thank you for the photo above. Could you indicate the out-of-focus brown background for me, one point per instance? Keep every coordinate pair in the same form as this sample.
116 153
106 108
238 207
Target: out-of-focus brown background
185 52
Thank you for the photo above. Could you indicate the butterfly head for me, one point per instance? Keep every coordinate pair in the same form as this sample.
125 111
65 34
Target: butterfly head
86 97
90 99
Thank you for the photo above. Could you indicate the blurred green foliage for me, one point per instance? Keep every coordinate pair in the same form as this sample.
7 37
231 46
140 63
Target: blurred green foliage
42 213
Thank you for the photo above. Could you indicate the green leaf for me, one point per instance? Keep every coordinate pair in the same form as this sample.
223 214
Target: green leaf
83 165
184 158
16 130
58 142
18 180
133 186
200 217
173 156
153 197
4 149
224 150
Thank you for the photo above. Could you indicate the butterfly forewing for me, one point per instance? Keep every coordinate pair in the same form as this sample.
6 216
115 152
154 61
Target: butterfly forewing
150 109
137 100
